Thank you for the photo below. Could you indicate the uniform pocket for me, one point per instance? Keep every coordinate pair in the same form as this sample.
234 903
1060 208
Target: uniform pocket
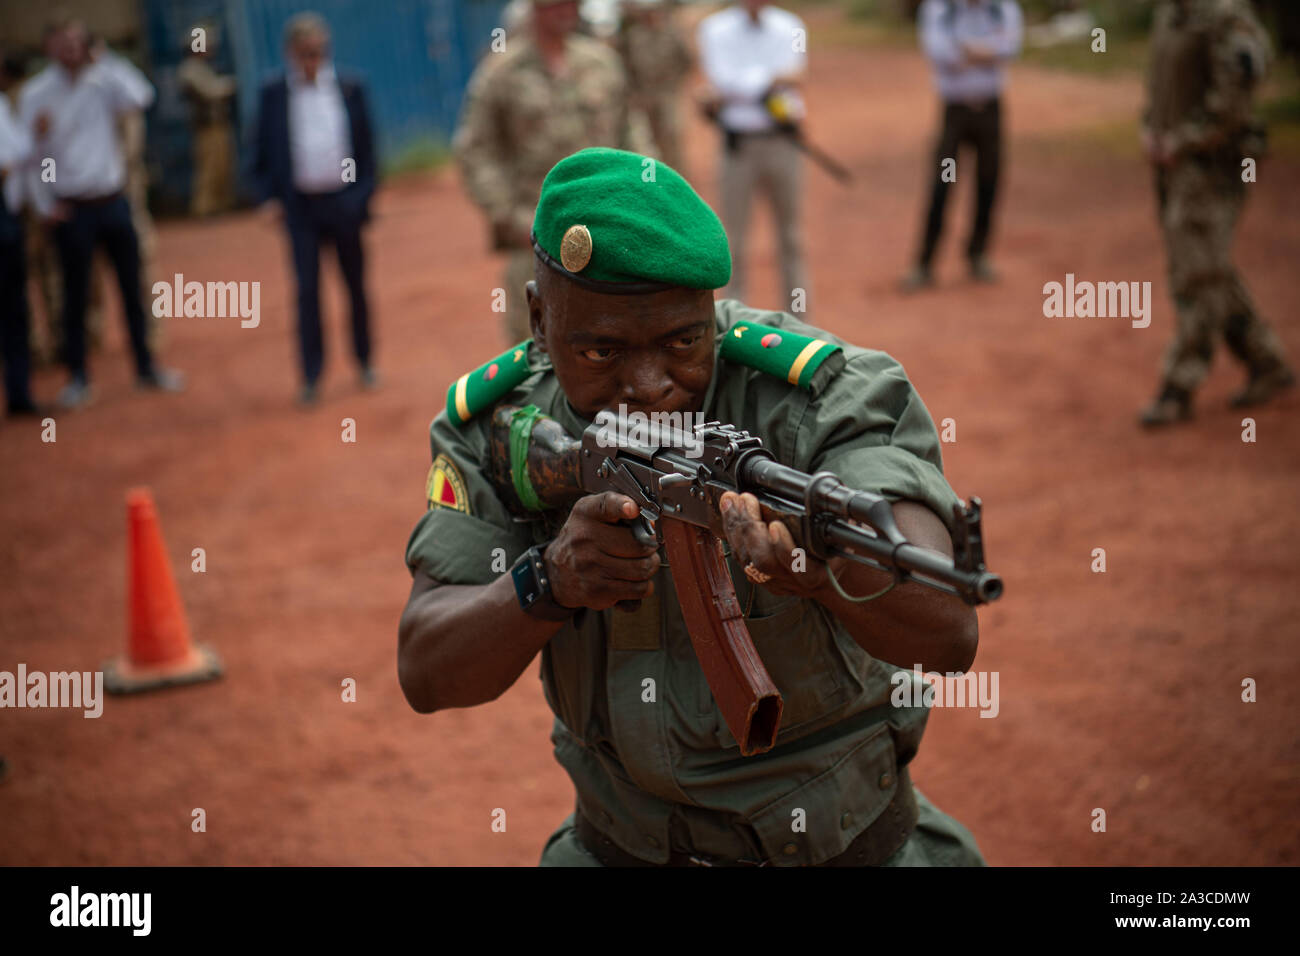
835 806
798 649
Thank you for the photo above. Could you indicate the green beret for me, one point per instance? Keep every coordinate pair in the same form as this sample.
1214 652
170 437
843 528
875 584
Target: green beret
619 222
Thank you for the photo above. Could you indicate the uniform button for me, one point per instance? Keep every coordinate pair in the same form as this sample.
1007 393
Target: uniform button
846 820
790 849
886 780
652 841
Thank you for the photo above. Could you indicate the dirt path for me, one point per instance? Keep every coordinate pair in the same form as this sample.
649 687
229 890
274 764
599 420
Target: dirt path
1118 690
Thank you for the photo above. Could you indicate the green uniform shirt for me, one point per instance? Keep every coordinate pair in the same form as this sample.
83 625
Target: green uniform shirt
669 774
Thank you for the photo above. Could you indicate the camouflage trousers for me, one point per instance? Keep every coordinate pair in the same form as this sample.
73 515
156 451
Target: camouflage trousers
519 272
938 840
1200 199
214 170
664 118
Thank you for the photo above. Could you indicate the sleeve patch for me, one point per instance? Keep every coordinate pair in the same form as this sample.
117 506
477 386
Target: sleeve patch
445 487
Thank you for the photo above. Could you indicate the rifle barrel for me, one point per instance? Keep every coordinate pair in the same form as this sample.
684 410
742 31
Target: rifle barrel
883 551
937 570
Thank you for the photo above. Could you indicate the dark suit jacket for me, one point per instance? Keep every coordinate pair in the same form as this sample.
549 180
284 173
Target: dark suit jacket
271 167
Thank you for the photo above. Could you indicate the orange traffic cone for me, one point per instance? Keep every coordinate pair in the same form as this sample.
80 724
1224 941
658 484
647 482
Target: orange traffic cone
159 652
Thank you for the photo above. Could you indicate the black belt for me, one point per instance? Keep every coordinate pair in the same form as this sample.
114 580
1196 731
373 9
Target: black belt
874 845
96 200
733 137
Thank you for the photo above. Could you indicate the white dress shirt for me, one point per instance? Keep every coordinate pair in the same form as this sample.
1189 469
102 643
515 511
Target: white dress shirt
945 25
319 137
740 58
82 138
15 151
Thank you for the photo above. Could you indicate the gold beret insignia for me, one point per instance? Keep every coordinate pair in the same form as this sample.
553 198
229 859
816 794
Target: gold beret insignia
575 248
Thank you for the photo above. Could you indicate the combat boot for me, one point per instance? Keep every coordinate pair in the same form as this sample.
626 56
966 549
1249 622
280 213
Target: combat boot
1172 405
1263 384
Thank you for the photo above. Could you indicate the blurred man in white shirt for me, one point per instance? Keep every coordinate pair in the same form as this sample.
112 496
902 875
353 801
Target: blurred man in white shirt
750 53
70 109
968 44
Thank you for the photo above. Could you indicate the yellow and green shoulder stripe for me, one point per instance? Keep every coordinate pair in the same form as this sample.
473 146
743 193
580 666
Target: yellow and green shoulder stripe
486 385
801 360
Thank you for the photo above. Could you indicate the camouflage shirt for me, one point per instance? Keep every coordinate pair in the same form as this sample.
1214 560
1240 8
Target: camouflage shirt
1207 57
519 120
209 93
656 58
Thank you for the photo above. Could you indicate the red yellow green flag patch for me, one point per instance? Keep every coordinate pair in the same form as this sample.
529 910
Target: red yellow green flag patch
445 488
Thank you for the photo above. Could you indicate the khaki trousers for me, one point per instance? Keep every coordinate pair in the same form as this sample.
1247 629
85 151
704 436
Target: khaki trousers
770 165
214 170
519 272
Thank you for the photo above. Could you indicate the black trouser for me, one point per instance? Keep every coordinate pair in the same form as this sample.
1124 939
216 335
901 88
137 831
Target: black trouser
108 222
980 127
13 308
315 220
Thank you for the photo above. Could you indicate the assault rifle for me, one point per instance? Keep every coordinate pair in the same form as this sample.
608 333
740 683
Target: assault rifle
676 479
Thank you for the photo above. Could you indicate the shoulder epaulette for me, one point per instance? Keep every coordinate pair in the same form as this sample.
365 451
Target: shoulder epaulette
796 358
474 391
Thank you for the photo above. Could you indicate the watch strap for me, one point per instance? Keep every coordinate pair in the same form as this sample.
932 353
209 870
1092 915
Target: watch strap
533 587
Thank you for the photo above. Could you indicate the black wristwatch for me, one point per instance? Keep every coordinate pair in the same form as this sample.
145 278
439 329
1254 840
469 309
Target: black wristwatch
533 587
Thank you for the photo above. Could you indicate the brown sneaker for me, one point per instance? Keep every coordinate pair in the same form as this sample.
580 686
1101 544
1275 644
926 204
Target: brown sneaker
1264 385
1172 405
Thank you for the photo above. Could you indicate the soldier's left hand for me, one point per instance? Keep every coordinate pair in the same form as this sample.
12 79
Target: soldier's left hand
770 549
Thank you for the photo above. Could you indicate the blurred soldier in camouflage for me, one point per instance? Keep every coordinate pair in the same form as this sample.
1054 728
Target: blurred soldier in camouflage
547 93
657 59
1207 57
209 95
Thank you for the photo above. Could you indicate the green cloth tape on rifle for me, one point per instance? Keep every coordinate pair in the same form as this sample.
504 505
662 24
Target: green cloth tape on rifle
521 433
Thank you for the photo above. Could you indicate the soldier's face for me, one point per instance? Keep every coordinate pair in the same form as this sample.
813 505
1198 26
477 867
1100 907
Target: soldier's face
556 19
650 353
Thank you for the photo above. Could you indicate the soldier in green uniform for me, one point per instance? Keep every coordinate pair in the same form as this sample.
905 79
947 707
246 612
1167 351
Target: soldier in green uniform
549 92
622 312
1207 57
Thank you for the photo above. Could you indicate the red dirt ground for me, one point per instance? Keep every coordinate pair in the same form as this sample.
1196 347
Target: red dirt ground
1118 690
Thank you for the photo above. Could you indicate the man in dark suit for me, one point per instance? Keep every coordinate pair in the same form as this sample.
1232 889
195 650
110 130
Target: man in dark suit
313 156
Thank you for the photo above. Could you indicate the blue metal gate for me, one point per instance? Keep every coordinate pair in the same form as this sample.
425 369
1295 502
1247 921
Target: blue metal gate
416 57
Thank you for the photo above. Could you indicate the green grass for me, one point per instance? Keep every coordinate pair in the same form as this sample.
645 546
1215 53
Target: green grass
419 155
1127 24
1123 55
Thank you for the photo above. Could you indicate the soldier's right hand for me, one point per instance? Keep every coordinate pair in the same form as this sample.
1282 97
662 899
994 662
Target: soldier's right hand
595 561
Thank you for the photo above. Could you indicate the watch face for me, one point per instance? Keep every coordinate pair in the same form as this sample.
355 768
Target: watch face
526 586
